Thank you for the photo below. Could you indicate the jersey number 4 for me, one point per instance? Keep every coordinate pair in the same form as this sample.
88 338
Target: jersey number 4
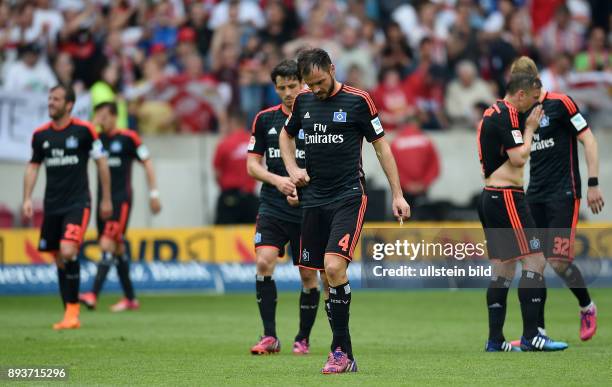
344 242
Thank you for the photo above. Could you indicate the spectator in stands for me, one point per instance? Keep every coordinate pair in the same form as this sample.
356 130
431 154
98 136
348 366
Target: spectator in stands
153 112
462 41
107 90
464 92
425 86
555 76
64 71
198 22
198 99
562 34
517 32
30 73
77 39
237 202
355 53
597 56
244 12
185 47
281 24
417 164
396 53
394 107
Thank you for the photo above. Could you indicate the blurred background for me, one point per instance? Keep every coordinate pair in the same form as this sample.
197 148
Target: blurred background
190 75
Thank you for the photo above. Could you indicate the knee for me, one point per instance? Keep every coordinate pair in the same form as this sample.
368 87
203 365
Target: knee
68 251
560 267
535 263
335 270
265 262
107 244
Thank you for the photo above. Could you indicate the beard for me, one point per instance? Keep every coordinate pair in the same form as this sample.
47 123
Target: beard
59 113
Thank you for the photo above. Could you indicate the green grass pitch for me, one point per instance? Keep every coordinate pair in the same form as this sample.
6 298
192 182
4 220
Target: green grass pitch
399 338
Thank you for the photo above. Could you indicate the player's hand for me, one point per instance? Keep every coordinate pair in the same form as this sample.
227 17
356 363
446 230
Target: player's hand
401 209
106 209
293 199
155 205
299 177
284 185
533 120
595 199
27 209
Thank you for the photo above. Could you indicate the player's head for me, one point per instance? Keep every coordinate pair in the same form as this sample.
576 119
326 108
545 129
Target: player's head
317 71
524 90
524 64
60 101
105 115
287 81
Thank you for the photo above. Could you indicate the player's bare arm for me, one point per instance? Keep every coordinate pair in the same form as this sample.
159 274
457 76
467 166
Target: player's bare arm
594 196
519 155
257 171
106 205
29 181
298 176
401 209
154 201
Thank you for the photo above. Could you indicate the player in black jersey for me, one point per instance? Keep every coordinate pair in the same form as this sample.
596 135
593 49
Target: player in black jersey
65 145
123 146
279 218
554 189
334 119
504 145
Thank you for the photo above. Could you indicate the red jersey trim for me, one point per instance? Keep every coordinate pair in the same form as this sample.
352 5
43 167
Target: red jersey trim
270 109
88 125
132 135
567 102
364 95
513 114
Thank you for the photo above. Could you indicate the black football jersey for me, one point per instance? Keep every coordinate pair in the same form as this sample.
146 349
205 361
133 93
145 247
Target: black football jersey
65 153
500 130
122 147
334 129
264 141
554 170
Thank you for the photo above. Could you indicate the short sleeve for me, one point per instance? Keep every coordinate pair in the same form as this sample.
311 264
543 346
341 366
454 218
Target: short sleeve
507 126
367 119
37 150
141 151
572 117
294 121
257 143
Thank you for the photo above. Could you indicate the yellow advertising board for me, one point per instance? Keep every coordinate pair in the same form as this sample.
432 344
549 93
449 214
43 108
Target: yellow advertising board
222 244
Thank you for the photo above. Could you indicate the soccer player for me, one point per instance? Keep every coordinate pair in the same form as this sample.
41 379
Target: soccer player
504 145
334 118
554 189
65 145
279 217
123 146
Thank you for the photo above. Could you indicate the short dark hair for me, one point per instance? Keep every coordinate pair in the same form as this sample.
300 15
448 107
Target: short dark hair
523 81
111 106
313 57
287 68
70 95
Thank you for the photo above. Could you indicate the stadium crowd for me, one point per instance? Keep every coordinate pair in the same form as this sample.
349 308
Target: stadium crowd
179 66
